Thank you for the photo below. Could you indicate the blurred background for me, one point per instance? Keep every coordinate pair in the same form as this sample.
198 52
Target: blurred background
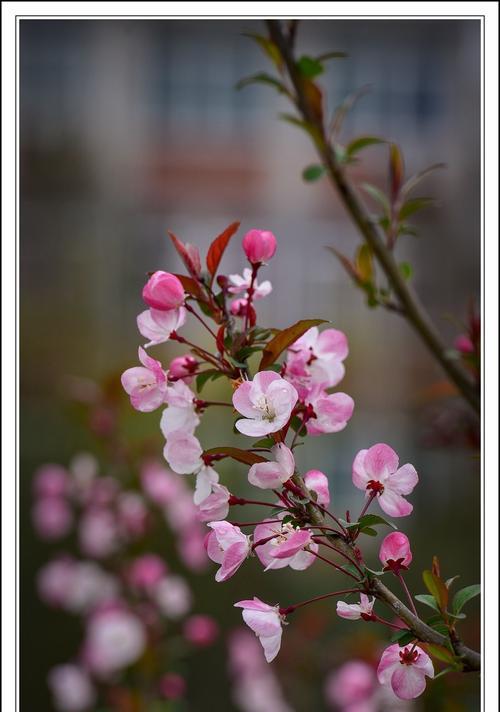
131 128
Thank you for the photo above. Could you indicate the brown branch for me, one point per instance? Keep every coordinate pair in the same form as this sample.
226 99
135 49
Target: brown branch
412 309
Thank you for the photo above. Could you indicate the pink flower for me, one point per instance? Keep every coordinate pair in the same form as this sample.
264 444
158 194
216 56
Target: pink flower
241 285
183 452
54 580
181 412
317 357
163 291
172 686
173 597
316 481
376 470
157 326
98 533
405 670
52 517
158 483
51 481
146 384
270 475
72 688
115 639
355 611
288 542
463 343
259 246
183 367
227 545
332 412
133 515
216 506
265 621
205 479
146 571
395 552
352 687
266 402
201 630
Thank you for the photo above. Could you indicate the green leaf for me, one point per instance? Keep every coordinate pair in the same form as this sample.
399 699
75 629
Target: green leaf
377 195
263 78
374 519
436 587
440 653
350 568
463 596
248 458
362 142
396 170
284 339
264 442
313 173
309 67
331 55
427 600
402 637
369 531
202 379
304 125
364 263
405 269
414 180
413 206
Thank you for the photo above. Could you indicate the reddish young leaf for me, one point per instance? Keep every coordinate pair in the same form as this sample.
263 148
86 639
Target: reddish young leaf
396 171
191 286
284 339
220 339
189 255
248 458
216 249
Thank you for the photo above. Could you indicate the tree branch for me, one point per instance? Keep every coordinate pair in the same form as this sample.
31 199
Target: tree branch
412 308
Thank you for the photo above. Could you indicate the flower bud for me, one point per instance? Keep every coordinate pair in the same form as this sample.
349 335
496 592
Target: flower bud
182 367
259 245
395 552
163 291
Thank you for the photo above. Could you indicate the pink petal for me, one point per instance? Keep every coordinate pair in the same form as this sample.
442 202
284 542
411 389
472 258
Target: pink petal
271 646
360 476
380 461
255 604
256 428
262 623
389 660
242 402
267 475
394 505
424 663
332 343
408 682
317 481
263 379
403 480
214 550
302 559
292 545
284 458
349 611
233 558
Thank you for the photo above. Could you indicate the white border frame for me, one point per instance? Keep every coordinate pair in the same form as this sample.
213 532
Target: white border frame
11 13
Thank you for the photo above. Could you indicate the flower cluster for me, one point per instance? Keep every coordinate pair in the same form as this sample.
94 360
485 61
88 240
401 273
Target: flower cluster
291 395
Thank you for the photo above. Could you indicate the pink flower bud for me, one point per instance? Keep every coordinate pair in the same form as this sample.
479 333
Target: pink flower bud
395 552
259 246
201 630
163 291
183 367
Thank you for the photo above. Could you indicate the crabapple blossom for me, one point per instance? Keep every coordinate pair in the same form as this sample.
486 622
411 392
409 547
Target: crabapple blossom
181 412
115 638
405 670
317 358
395 553
146 384
52 517
351 688
355 611
89 587
266 402
281 534
205 479
228 546
183 452
332 412
270 475
241 285
71 688
133 515
377 471
54 579
173 596
158 326
146 571
157 484
51 481
259 246
98 533
200 630
183 367
266 622
216 506
317 482
172 686
163 291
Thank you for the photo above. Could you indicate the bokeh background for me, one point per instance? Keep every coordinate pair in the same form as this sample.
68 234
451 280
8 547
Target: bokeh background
130 128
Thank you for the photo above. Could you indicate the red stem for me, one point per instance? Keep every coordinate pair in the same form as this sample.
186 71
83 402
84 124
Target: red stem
351 561
408 594
335 566
291 609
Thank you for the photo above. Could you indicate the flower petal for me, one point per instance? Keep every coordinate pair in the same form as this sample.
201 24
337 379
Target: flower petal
394 504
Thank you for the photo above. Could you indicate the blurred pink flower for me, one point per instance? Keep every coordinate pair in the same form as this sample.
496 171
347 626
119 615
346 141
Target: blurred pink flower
133 515
201 630
115 638
173 596
71 688
266 622
351 688
51 481
405 670
98 532
52 517
228 546
270 475
172 686
146 571
266 402
376 470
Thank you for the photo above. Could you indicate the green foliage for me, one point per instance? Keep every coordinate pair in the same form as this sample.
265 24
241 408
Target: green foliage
309 67
463 596
313 173
263 78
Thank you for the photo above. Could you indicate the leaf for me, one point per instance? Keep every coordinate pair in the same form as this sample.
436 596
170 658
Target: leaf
437 588
396 171
405 269
286 338
314 98
374 519
403 637
269 48
191 286
331 55
313 173
463 596
449 582
364 263
377 195
369 531
304 125
345 262
248 458
413 206
362 142
350 568
309 67
344 108
263 78
427 600
439 652
202 378
217 248
264 442
414 180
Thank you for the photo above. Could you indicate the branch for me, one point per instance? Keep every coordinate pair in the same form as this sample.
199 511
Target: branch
412 308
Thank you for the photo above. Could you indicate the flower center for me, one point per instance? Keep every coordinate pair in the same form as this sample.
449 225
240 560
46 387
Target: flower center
375 486
408 656
264 406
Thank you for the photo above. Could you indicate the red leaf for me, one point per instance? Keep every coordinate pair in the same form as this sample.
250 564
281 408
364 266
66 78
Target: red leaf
284 339
248 458
220 339
216 249
191 286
